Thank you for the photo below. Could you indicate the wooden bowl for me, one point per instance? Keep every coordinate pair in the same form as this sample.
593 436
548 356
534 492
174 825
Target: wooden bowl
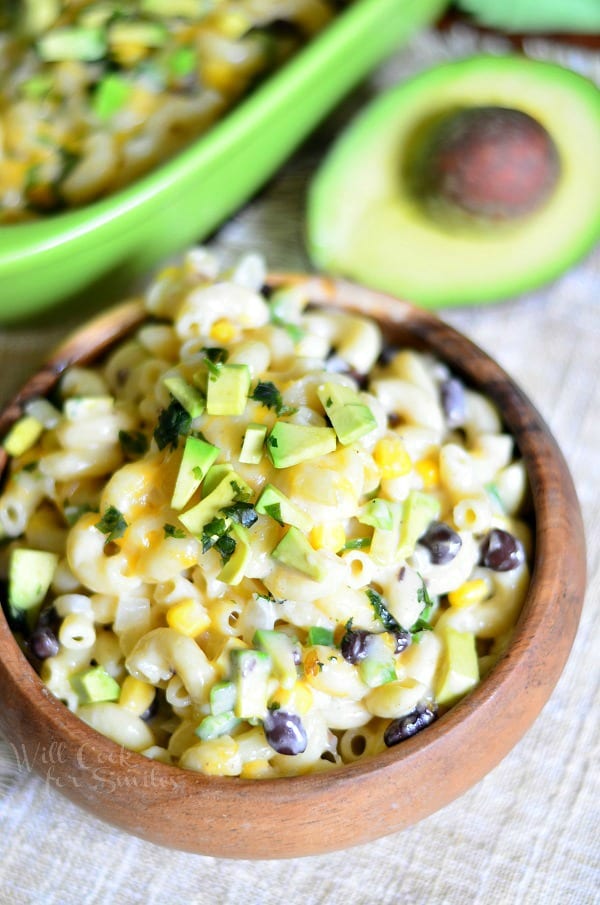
281 818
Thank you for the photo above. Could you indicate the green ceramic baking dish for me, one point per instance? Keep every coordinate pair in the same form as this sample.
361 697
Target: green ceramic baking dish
184 199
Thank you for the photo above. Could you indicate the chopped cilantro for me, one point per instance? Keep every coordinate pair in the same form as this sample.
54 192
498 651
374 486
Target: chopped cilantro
172 531
268 596
133 443
241 493
112 524
357 543
172 422
381 610
422 624
268 395
274 705
277 312
212 531
216 355
226 546
242 513
30 466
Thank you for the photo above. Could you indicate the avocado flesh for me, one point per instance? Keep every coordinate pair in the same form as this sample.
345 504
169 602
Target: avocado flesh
365 222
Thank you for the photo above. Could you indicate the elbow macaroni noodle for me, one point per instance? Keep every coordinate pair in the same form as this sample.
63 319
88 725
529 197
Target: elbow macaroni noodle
213 650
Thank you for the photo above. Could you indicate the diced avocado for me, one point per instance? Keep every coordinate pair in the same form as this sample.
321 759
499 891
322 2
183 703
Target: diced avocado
94 685
77 407
227 390
146 34
38 15
350 417
186 9
234 569
420 509
110 96
22 435
37 87
385 541
294 550
30 574
319 635
280 648
275 503
252 447
458 671
99 13
288 444
214 725
198 456
72 43
227 491
374 671
222 697
250 671
378 513
215 475
188 396
182 62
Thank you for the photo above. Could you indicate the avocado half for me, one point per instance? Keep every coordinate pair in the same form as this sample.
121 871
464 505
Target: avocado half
367 221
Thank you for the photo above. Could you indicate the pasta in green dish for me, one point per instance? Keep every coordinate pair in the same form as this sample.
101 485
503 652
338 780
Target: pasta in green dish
95 93
255 542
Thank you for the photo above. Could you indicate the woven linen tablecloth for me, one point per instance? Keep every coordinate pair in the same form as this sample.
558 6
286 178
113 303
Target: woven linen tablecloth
530 831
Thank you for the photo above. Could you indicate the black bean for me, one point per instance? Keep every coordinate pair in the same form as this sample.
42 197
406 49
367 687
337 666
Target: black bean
406 726
501 551
285 732
403 639
354 646
151 710
442 542
452 392
43 643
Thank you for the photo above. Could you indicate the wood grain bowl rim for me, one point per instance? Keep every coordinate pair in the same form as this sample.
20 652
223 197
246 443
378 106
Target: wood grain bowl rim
290 817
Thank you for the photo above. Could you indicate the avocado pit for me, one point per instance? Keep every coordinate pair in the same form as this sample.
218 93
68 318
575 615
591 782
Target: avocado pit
491 162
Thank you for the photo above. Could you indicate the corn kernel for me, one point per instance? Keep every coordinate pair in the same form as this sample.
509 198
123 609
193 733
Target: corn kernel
222 331
217 757
136 696
469 593
328 537
429 472
298 699
257 769
188 617
392 458
23 435
233 25
312 665
128 53
168 273
220 75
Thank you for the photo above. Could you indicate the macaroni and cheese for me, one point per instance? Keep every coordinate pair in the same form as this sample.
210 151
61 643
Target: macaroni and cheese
254 541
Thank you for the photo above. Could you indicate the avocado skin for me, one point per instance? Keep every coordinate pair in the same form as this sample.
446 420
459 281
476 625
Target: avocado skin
365 223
